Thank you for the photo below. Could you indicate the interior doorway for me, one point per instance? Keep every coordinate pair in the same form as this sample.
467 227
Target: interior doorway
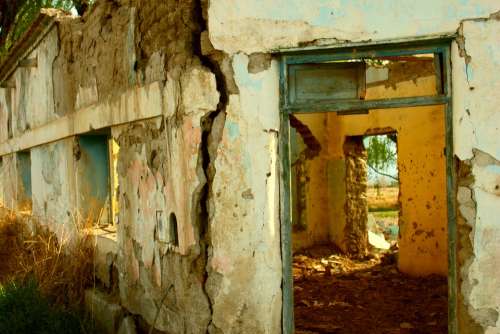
382 193
367 187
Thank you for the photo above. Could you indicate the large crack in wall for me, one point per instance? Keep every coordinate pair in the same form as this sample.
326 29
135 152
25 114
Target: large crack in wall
212 126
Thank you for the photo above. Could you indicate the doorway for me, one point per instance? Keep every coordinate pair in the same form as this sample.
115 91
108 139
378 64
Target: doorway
356 244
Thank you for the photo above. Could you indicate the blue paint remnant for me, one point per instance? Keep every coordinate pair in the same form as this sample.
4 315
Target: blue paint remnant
24 167
94 163
479 10
468 72
233 130
494 169
325 17
451 12
243 78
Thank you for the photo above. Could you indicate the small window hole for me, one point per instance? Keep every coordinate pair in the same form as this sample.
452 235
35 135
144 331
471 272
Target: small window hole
174 236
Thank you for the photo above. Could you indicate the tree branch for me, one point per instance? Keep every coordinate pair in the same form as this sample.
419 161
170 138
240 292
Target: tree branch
383 174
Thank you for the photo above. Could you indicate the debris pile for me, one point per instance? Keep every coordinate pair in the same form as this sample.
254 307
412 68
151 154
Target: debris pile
336 294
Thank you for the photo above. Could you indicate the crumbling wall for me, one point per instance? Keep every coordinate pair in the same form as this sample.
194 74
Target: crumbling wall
160 174
93 60
244 282
356 204
214 162
6 109
34 96
119 44
53 187
154 276
9 181
475 103
250 27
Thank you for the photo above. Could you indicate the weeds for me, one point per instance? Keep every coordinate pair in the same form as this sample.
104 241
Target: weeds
62 270
24 310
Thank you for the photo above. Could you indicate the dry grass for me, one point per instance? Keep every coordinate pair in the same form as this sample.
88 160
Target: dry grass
386 198
62 272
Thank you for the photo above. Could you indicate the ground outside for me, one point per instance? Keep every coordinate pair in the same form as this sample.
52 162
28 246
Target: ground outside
335 294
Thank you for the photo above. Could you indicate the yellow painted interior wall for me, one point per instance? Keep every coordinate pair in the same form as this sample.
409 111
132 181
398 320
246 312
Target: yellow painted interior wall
317 194
421 162
422 175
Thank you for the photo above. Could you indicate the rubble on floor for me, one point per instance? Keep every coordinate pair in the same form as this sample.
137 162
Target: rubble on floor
336 294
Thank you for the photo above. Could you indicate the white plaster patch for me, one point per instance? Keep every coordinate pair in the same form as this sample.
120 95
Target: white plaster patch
464 195
87 95
199 91
475 90
245 221
259 25
483 276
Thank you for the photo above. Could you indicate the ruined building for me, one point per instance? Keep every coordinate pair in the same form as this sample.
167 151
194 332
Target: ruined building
206 140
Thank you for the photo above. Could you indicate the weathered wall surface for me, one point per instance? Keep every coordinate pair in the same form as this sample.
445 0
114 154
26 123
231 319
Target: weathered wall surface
356 204
244 258
53 187
260 26
36 81
9 180
211 158
134 66
475 104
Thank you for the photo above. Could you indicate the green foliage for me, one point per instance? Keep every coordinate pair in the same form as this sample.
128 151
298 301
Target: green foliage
27 11
381 151
23 310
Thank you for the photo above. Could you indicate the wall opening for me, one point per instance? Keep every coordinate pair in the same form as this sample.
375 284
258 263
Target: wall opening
382 190
368 213
24 195
96 179
174 235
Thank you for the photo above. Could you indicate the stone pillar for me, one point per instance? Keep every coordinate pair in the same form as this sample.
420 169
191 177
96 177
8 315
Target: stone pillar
356 205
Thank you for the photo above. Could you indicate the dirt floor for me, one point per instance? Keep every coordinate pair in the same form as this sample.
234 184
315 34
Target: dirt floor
334 294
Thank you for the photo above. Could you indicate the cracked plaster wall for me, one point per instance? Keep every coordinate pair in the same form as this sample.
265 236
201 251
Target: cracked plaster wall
133 60
185 160
231 163
53 187
244 220
476 119
158 171
9 180
249 27
261 26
